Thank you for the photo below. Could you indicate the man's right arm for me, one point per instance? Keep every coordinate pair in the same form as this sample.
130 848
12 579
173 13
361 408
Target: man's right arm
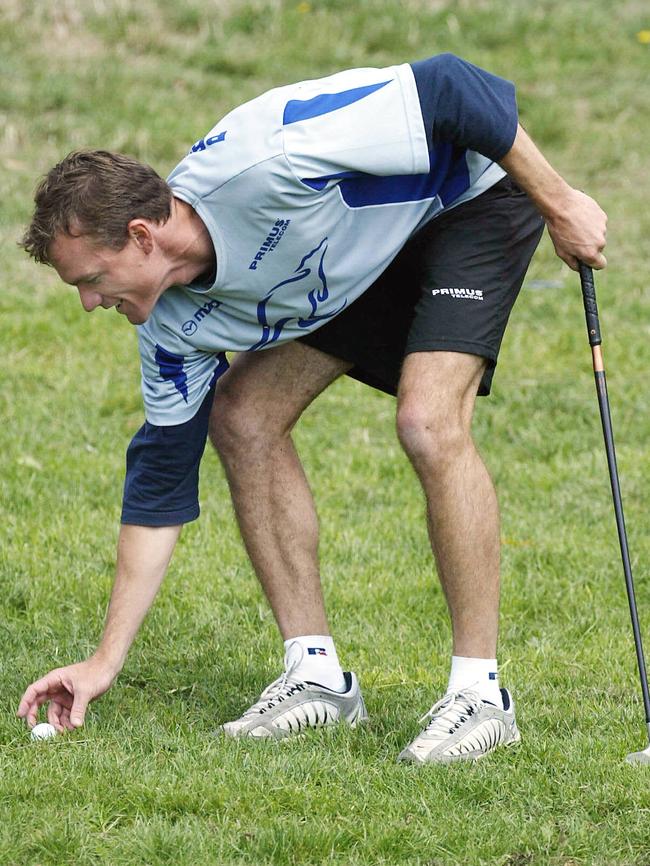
143 554
160 495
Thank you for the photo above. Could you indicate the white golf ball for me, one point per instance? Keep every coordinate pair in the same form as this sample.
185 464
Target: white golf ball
43 731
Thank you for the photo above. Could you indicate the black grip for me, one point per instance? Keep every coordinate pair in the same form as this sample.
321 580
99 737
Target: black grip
591 307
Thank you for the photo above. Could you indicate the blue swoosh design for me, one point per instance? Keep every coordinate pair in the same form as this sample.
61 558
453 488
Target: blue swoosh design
222 367
171 369
448 178
324 103
319 183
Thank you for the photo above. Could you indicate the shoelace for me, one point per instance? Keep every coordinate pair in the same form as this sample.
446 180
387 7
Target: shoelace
276 692
452 710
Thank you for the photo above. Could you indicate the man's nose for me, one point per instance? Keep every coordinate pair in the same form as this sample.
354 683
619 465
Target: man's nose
89 299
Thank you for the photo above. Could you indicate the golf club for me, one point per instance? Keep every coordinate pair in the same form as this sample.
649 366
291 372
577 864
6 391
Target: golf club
593 330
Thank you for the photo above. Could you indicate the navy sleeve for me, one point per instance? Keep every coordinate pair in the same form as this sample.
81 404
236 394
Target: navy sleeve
466 106
162 471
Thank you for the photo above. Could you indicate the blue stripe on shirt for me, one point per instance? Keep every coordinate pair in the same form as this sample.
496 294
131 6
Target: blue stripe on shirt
324 103
171 368
368 189
448 178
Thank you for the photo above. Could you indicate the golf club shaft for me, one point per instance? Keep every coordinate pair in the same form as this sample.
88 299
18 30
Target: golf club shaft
593 330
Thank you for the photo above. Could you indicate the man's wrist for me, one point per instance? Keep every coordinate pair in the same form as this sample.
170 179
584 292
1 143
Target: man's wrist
110 660
548 190
550 193
552 201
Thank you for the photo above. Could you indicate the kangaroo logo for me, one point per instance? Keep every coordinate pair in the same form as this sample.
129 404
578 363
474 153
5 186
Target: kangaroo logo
311 272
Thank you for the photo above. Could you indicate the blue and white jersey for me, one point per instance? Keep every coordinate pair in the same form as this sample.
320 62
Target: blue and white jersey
308 193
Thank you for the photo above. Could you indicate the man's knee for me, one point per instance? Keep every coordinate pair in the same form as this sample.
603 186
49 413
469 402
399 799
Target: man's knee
259 400
228 429
435 405
431 433
239 425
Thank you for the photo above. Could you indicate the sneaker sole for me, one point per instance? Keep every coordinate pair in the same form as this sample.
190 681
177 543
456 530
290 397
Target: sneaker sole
280 734
407 757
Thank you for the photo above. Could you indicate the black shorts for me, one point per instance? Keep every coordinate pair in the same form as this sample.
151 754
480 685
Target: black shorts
451 288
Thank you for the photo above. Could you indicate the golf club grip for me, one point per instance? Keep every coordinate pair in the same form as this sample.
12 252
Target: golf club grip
591 307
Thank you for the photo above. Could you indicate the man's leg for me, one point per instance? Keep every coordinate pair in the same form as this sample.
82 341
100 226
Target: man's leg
435 405
257 403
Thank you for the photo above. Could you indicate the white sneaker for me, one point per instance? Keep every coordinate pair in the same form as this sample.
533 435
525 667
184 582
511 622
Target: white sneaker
463 727
289 706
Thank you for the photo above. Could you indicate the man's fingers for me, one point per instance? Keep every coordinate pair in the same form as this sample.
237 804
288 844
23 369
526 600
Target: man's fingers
598 262
65 719
39 691
78 711
28 700
68 690
58 712
31 716
589 255
29 705
573 253
54 715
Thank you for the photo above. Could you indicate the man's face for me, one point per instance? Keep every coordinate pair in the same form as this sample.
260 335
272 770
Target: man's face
129 279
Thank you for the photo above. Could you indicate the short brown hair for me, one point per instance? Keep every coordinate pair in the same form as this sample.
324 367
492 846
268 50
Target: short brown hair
94 193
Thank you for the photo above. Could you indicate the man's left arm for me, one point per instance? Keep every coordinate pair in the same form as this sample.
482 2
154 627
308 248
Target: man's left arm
575 222
476 110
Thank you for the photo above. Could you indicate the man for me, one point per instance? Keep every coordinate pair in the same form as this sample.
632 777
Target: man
370 223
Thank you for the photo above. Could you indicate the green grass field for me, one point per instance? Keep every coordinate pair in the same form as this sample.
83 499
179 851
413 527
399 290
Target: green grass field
144 782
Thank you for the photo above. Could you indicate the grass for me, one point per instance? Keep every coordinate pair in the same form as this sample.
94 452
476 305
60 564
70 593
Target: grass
144 782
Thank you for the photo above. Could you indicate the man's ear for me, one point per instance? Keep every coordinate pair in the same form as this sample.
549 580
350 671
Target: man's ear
140 231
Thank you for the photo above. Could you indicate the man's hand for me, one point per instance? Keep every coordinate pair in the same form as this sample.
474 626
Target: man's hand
143 553
578 226
69 690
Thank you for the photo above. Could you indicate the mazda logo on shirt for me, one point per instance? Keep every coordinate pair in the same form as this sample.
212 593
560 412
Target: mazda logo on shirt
191 326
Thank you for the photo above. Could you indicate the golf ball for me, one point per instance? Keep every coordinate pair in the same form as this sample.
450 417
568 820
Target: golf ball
43 731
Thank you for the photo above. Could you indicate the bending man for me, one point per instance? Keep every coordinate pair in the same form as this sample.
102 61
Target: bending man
378 223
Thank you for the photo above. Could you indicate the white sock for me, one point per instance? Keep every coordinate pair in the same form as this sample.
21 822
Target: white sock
313 658
480 675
